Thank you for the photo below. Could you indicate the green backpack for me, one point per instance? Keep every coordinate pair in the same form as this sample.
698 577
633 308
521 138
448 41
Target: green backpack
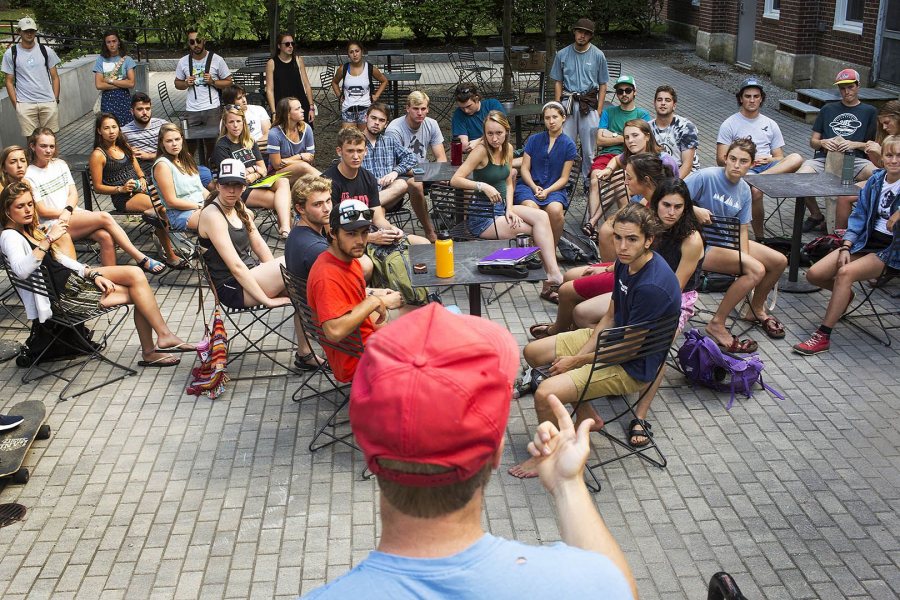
392 271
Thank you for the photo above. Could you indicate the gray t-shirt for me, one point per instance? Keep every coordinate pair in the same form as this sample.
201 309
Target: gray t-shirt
764 132
418 141
711 190
32 79
580 71
202 96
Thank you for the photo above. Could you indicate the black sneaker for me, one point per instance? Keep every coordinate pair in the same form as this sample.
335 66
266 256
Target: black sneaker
10 421
814 224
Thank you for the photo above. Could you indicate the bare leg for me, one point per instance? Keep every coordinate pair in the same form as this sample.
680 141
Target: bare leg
297 169
844 208
268 276
557 214
420 207
605 241
774 264
841 282
589 312
392 194
758 213
720 260
83 223
538 225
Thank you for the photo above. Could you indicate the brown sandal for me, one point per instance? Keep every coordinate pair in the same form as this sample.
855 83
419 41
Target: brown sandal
551 293
540 331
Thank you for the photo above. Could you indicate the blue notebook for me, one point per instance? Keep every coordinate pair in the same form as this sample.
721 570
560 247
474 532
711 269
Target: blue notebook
509 256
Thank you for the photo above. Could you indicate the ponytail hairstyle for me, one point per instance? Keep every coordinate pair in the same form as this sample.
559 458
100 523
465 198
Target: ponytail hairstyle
239 208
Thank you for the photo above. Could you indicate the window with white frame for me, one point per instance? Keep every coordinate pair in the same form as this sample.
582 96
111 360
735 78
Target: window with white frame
848 15
772 9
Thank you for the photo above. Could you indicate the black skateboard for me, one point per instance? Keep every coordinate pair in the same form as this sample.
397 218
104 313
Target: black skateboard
15 442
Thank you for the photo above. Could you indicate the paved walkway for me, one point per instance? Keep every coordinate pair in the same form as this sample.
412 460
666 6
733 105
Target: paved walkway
145 492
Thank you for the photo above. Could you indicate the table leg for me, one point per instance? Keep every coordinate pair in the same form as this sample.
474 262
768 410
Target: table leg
475 299
86 191
792 285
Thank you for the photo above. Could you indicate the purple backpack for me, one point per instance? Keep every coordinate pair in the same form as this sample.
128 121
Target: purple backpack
703 362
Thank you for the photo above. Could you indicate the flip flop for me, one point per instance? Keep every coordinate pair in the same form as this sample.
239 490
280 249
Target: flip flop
738 346
154 267
540 330
182 347
160 363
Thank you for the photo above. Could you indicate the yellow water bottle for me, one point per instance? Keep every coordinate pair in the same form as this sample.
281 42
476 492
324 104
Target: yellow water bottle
443 250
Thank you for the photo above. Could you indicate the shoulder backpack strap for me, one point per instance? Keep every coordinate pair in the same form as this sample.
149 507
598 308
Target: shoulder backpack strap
15 53
191 72
344 79
371 80
209 88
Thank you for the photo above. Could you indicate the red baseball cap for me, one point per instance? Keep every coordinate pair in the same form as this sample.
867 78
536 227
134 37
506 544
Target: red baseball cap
434 388
846 76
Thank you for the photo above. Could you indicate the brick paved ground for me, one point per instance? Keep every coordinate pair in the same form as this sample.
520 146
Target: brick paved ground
145 492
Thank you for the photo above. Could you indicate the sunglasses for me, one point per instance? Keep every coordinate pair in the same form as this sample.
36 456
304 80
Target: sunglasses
287 43
194 41
234 107
353 214
623 91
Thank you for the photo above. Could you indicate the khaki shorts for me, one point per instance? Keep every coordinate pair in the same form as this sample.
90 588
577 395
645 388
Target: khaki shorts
609 381
37 114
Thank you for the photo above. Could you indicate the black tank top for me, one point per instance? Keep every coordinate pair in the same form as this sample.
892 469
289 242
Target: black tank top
670 250
240 238
288 83
59 274
117 171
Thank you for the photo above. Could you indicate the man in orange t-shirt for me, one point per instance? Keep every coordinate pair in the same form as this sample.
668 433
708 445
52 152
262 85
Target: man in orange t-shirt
336 288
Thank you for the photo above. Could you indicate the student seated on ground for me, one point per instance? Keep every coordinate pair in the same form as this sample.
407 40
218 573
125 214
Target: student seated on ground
26 247
177 179
638 139
643 172
292 146
867 245
723 192
56 199
115 171
237 143
489 164
645 289
336 288
545 170
227 237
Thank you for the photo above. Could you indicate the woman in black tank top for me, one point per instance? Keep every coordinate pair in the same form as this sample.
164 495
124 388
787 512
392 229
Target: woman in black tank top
286 77
115 171
228 237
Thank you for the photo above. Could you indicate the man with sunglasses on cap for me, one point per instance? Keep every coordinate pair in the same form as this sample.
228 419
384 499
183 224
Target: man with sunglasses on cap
844 125
750 123
429 407
32 80
579 69
203 74
336 288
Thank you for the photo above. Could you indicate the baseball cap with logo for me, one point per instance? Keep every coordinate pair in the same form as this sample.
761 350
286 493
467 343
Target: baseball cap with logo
27 24
846 76
624 80
232 170
351 215
433 388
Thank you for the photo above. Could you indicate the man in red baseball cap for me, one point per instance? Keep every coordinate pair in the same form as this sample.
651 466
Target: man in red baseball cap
844 125
428 407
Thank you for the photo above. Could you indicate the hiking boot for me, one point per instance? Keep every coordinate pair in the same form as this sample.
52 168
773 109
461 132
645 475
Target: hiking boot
814 224
817 343
10 421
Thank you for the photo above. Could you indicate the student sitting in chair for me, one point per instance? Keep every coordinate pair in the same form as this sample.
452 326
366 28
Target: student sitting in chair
868 245
645 289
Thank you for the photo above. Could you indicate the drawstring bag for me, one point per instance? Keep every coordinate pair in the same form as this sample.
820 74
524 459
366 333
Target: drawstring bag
704 363
210 377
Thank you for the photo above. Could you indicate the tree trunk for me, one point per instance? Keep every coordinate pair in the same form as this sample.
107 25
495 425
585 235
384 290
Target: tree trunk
273 25
507 44
549 40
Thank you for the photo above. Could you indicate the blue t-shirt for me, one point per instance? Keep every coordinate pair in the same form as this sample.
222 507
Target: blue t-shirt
711 189
492 567
472 126
651 293
302 248
580 71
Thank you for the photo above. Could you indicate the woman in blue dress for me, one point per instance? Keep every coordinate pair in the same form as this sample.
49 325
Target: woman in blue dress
545 169
114 77
490 165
